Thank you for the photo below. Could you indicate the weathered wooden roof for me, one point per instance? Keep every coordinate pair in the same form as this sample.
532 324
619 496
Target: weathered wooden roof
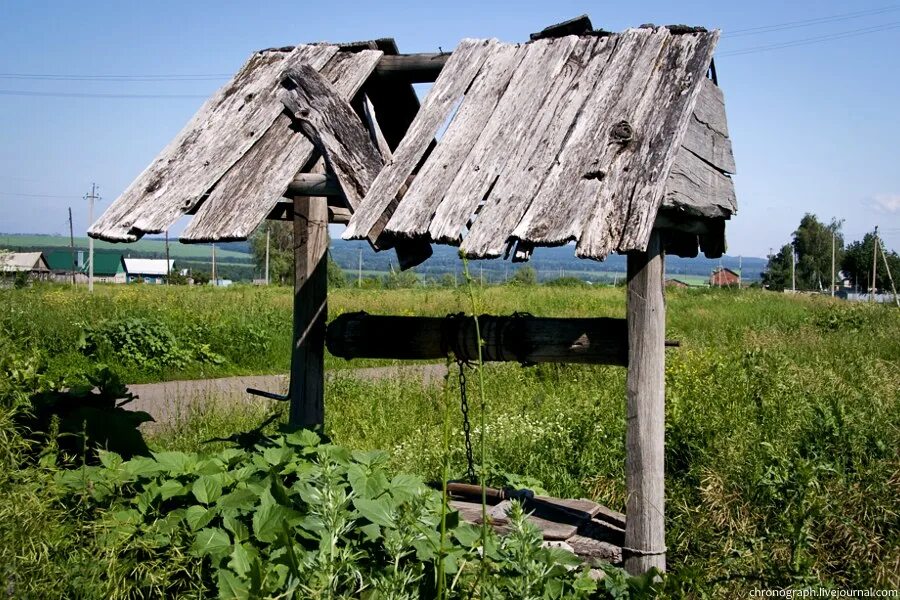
558 140
594 138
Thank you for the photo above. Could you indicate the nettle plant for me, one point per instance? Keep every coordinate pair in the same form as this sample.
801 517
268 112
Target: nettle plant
296 517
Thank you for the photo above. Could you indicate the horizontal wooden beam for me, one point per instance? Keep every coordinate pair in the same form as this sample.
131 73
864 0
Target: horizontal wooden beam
517 338
411 68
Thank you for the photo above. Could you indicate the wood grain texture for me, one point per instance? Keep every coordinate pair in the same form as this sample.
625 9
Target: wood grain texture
222 131
707 132
660 129
414 213
645 540
335 129
696 188
250 190
307 388
525 171
502 137
381 201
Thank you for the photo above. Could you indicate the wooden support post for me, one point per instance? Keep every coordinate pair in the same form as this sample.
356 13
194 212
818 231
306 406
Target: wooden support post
645 541
307 390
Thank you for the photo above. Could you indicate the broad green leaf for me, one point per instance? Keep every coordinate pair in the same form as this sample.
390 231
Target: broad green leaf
268 520
278 456
242 498
142 467
377 511
304 438
175 462
365 484
197 516
212 541
236 527
371 458
207 488
232 588
110 460
405 487
240 560
467 534
230 455
451 519
171 488
371 532
209 467
126 517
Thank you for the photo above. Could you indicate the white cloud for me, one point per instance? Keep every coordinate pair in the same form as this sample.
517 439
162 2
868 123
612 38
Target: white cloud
889 203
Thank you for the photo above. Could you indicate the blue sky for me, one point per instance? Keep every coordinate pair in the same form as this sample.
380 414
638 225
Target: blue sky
815 127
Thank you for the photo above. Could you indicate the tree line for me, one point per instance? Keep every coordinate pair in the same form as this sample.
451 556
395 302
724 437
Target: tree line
810 251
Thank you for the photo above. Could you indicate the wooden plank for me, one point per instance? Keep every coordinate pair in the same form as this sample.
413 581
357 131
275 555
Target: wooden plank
661 120
412 68
502 137
645 540
335 129
522 175
518 338
222 131
581 505
696 188
588 154
381 201
707 132
595 550
307 388
413 214
396 103
580 25
470 512
250 190
375 130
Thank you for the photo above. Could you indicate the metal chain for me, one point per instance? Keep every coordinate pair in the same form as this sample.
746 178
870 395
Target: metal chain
467 429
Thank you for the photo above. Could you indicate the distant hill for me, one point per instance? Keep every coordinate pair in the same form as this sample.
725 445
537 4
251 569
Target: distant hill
549 263
149 247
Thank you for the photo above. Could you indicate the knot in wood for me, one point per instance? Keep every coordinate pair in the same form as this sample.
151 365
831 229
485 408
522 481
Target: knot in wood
622 132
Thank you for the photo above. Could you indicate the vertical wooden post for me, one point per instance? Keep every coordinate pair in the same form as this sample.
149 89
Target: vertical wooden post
307 390
645 541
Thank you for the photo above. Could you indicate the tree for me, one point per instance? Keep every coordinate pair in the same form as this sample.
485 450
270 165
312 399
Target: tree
777 275
336 276
857 264
281 250
812 242
524 276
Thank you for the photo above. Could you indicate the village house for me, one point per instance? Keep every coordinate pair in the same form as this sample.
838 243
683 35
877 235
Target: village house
147 270
722 277
32 263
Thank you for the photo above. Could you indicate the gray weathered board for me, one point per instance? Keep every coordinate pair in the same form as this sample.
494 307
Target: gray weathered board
598 535
561 139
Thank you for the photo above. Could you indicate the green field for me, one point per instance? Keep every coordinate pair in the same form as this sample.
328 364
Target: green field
782 429
146 246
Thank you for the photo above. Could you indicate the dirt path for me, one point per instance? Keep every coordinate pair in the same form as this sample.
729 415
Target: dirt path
171 401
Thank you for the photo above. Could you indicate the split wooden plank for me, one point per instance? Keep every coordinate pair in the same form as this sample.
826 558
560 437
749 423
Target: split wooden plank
589 152
589 548
246 195
222 131
660 126
707 132
381 201
502 137
697 188
522 175
335 129
414 213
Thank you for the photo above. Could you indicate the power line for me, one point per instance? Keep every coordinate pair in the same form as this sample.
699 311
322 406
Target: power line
90 95
809 22
813 40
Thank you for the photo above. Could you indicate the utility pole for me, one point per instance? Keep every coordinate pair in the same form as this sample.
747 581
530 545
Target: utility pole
359 270
72 244
874 263
168 271
793 270
832 263
267 253
90 198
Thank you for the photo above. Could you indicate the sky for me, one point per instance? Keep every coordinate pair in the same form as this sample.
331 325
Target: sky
814 120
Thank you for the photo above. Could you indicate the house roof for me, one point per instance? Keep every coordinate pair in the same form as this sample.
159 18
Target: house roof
23 262
107 264
148 266
595 138
59 260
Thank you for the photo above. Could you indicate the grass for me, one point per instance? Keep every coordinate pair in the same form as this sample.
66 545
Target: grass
782 424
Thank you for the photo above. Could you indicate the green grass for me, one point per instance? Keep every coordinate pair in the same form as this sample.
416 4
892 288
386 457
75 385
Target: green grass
782 419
